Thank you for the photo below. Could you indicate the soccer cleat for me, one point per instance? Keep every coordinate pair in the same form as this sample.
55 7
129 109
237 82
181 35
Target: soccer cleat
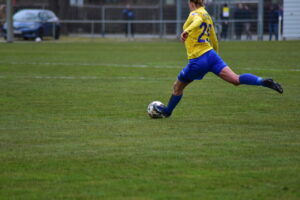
161 110
268 82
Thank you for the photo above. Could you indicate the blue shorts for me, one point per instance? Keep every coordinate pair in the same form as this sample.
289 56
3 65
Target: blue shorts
198 67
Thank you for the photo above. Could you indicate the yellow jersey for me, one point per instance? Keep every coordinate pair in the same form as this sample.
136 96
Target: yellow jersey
202 36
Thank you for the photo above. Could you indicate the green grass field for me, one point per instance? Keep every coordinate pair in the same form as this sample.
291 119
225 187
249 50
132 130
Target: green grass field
73 123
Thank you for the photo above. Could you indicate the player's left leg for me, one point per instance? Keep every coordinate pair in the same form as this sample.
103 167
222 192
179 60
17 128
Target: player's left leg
248 79
228 75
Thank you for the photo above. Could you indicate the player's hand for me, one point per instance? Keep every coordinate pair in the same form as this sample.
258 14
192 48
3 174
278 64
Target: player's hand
184 36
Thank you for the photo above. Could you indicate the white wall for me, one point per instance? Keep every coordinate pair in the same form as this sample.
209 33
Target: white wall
291 19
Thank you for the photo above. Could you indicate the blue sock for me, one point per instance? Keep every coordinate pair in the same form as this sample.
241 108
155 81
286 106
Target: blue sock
250 79
174 100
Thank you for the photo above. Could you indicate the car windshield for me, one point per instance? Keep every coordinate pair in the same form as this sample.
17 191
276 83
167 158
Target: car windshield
26 16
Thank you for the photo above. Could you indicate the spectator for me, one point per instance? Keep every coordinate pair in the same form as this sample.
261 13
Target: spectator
225 16
239 15
128 15
2 17
273 21
247 25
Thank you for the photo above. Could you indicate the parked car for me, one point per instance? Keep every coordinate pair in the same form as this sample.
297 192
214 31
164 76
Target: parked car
34 24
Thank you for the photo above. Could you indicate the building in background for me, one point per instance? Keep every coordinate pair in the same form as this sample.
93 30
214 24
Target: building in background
291 19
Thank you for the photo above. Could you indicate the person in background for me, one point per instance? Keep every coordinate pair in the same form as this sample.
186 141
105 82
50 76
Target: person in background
273 21
2 17
225 16
247 25
239 15
128 15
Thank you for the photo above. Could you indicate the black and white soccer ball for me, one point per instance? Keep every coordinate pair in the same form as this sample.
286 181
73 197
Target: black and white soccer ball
152 111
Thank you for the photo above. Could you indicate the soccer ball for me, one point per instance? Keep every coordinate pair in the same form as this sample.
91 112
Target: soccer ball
152 112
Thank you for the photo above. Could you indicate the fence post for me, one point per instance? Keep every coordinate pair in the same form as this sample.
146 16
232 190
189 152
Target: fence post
279 28
260 24
161 17
9 21
53 30
93 28
178 17
129 32
103 21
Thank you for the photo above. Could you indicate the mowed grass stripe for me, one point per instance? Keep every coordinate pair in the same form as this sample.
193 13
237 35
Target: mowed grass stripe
66 135
142 66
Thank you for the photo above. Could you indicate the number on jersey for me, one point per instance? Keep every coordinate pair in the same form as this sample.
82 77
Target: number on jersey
205 32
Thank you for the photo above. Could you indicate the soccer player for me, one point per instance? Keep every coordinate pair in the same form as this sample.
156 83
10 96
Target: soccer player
202 46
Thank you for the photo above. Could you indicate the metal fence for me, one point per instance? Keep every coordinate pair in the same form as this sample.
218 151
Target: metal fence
153 28
161 20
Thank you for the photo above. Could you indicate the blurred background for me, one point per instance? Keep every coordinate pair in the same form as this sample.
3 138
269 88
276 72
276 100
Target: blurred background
234 19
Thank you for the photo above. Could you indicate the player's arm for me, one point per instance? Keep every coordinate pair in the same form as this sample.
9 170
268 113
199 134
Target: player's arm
213 39
194 21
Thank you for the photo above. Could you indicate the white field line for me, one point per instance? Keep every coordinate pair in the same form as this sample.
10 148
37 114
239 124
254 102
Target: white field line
75 64
268 69
89 78
95 78
135 66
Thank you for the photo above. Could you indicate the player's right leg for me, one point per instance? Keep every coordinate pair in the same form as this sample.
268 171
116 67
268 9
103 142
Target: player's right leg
249 79
175 98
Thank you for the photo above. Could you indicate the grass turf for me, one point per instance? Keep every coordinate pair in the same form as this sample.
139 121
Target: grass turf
73 123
